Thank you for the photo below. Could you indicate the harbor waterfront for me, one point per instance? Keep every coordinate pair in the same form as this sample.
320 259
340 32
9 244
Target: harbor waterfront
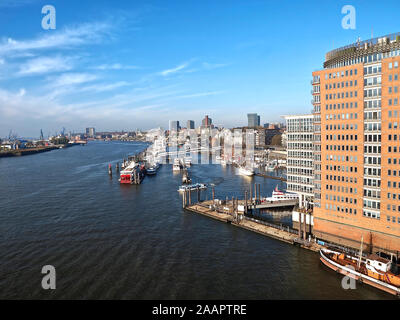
113 241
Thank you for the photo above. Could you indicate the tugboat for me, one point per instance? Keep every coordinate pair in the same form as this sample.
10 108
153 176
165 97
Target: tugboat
372 269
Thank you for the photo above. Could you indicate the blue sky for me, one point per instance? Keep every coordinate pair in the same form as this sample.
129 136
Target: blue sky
137 64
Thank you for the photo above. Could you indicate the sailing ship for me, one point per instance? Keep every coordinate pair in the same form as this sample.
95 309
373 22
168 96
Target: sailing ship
372 269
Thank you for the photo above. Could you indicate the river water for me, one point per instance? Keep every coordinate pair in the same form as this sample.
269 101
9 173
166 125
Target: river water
109 241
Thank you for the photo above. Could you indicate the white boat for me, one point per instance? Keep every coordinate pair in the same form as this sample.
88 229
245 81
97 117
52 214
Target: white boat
246 171
270 166
177 165
152 170
188 161
278 195
192 187
223 162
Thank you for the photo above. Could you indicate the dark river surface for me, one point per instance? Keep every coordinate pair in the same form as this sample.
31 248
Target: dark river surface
109 241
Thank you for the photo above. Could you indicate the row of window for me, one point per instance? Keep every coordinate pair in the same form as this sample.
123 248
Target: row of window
339 106
372 138
371 93
393 102
372 104
393 173
393 77
372 149
393 149
393 184
340 209
341 127
343 116
372 172
368 214
376 126
373 81
342 169
372 160
340 74
347 137
393 113
371 204
394 196
393 161
370 193
341 147
342 95
372 115
393 219
371 182
392 65
338 85
340 199
339 178
341 158
373 69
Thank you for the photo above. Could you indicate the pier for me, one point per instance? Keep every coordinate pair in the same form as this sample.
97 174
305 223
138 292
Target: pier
270 177
230 215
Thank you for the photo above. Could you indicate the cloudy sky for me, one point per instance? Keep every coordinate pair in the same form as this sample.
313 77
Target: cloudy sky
137 64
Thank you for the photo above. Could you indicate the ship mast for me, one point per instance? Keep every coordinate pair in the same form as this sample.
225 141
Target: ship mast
360 254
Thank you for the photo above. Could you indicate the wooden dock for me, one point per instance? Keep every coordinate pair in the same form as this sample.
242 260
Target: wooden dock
228 215
270 177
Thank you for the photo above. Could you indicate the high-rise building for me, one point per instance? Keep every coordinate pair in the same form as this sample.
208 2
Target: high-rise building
253 120
357 117
206 122
300 157
190 124
174 125
90 132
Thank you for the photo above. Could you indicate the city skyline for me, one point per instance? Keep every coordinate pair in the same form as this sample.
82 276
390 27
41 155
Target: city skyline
133 66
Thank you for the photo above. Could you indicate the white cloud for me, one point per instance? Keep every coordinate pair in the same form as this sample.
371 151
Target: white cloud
68 79
45 65
201 94
210 66
65 38
105 87
174 70
115 66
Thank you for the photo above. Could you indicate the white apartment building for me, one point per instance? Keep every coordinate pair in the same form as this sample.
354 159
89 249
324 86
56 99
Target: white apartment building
300 157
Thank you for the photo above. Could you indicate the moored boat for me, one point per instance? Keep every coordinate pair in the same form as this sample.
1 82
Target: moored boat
278 195
192 187
372 269
177 165
127 174
246 171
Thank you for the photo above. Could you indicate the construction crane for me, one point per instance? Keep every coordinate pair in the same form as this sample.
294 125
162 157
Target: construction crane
41 135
